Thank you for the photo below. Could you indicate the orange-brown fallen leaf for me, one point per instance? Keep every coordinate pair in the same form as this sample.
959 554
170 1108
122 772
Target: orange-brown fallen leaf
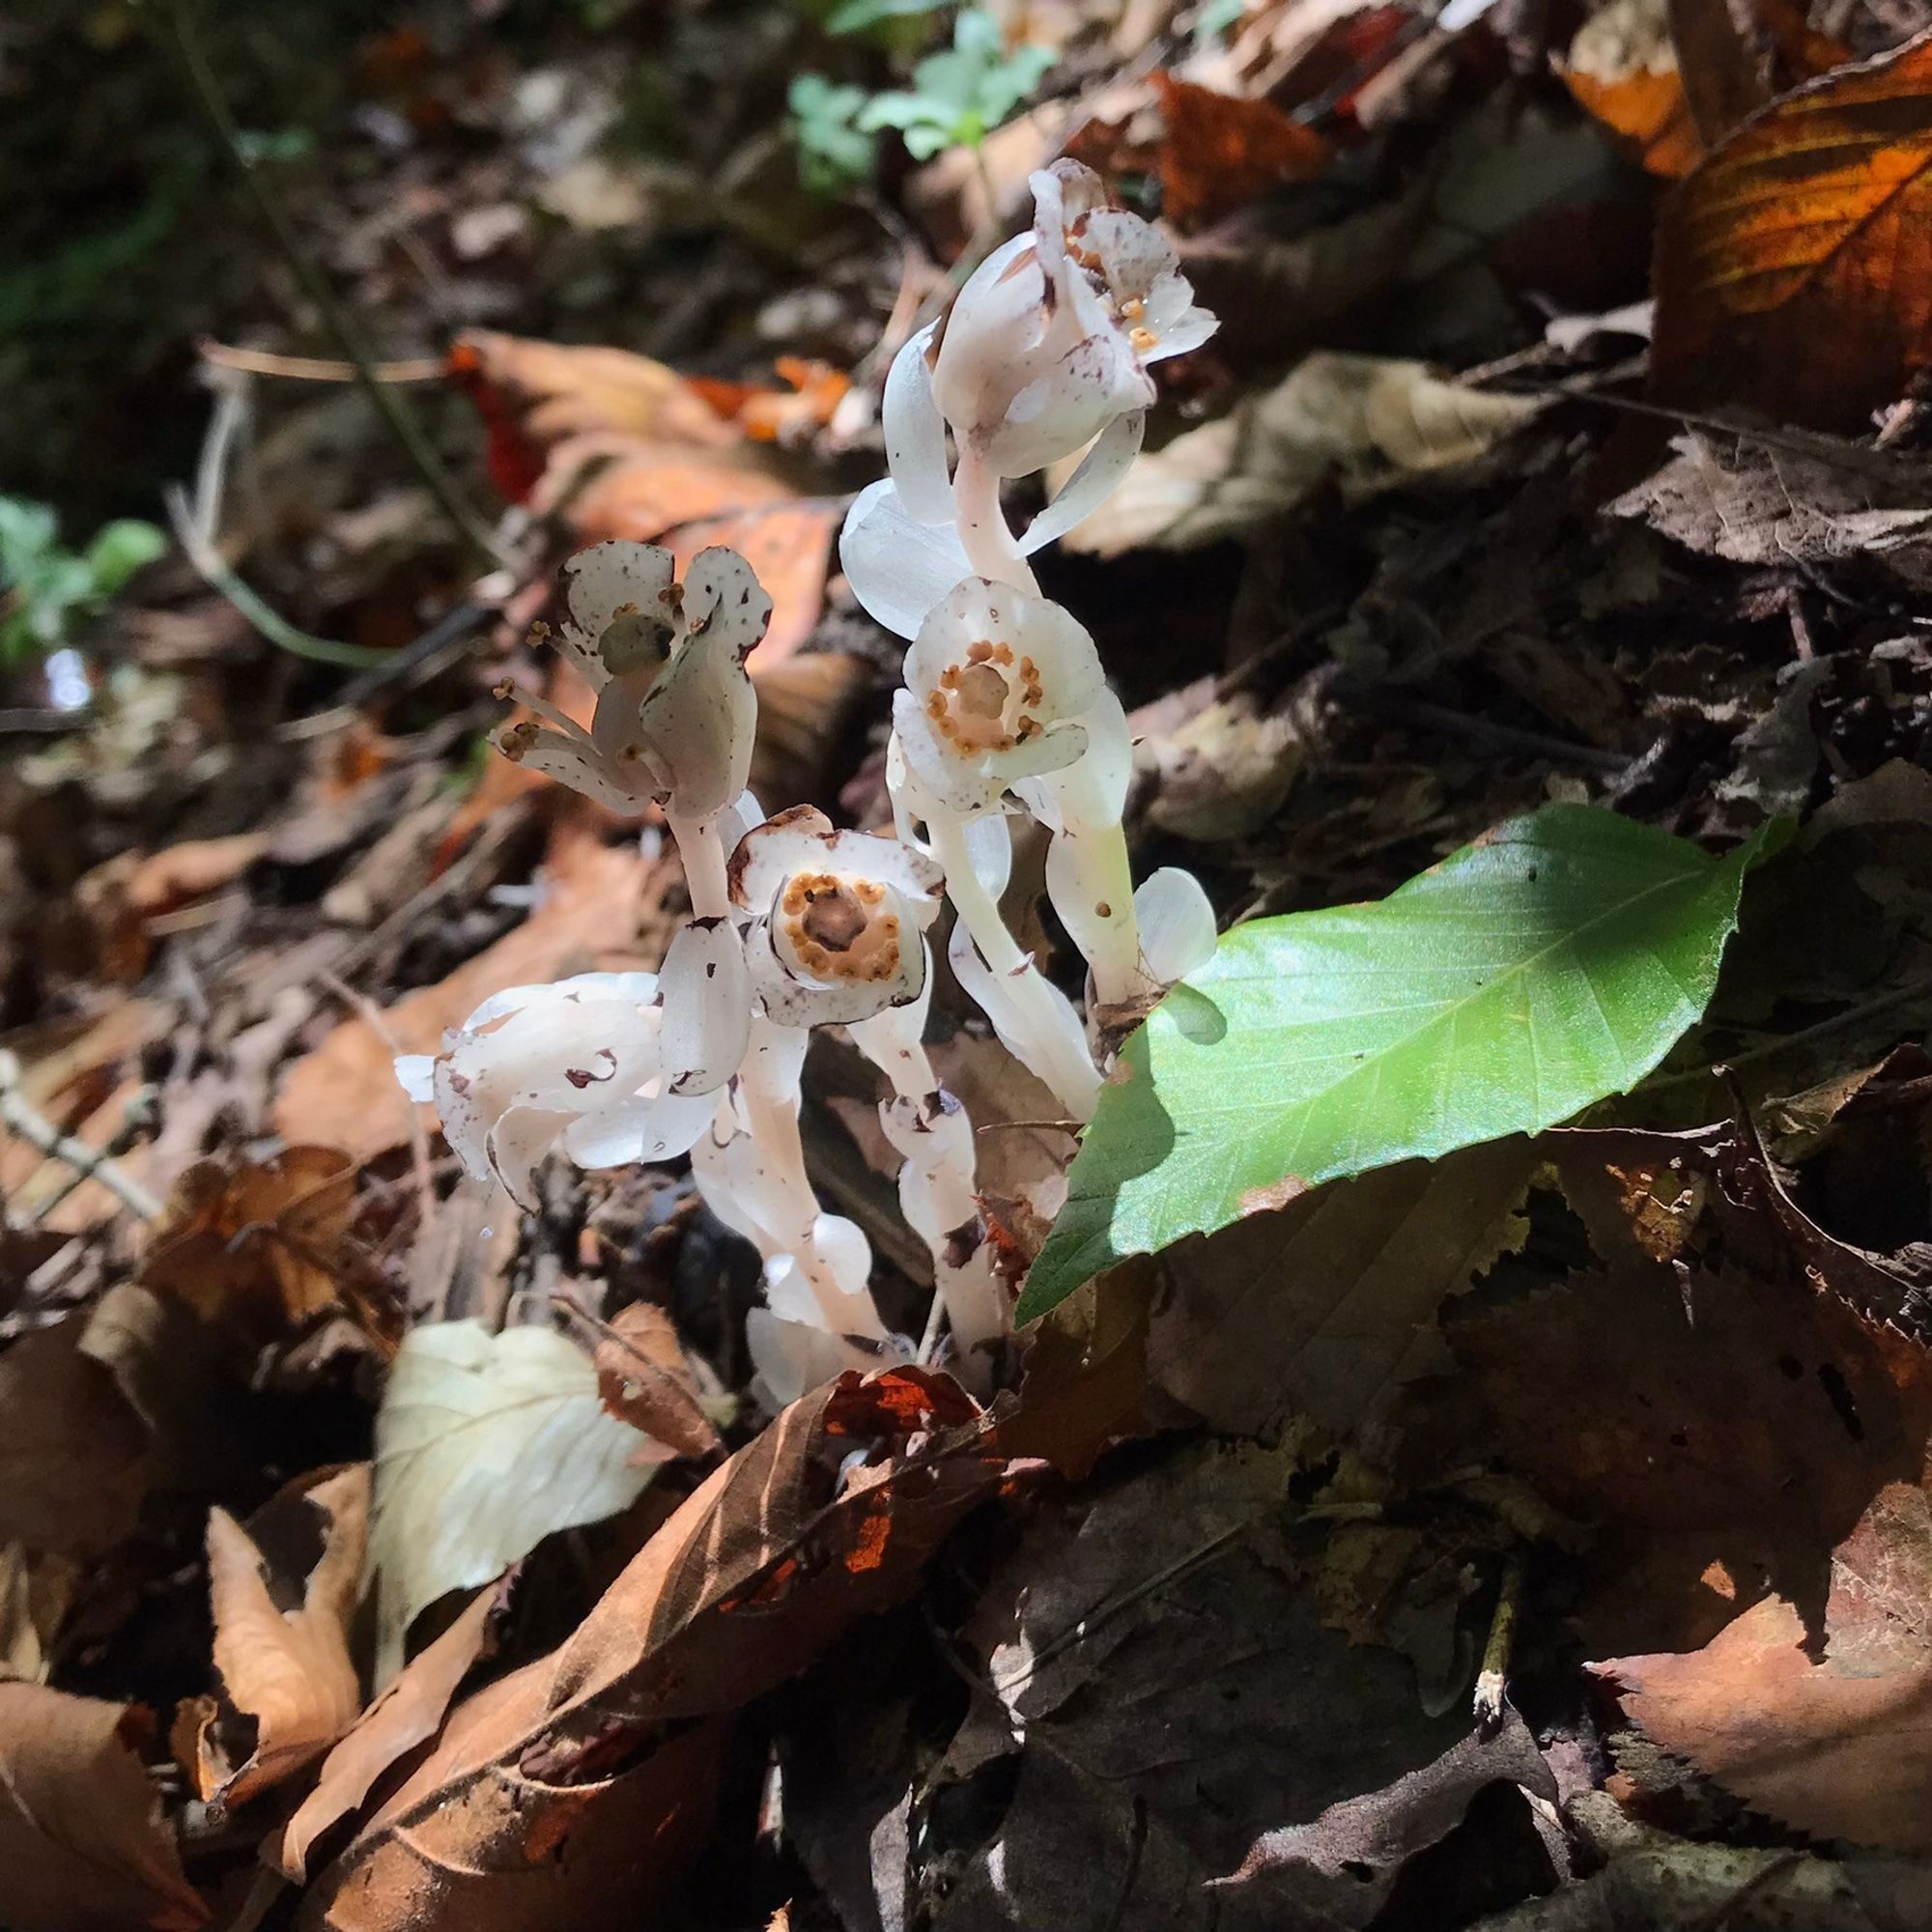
260 1248
289 1688
1839 1746
83 1847
410 1709
789 545
1622 69
1794 265
824 1519
74 1456
345 1090
177 874
790 414
1220 150
643 1378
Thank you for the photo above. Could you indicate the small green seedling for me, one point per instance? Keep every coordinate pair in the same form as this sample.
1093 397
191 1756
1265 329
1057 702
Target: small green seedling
46 590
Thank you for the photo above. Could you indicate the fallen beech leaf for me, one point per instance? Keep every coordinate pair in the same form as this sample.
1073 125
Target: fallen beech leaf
1622 68
823 1520
644 1378
485 1444
262 1248
83 1847
645 489
1382 1829
1837 1748
409 1710
1366 421
1794 265
1220 152
74 1456
180 873
289 1688
1322 1305
1751 502
346 1092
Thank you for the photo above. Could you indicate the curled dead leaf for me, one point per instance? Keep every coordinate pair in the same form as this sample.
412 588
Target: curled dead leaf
644 1377
289 1686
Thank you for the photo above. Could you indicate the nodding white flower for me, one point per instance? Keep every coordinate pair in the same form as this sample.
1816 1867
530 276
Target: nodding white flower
580 1060
675 712
840 918
1051 337
996 686
1046 348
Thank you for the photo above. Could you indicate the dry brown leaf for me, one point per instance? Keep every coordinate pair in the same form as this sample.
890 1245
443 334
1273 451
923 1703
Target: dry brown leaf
345 1092
261 1248
289 1686
83 1847
407 1712
782 1548
37 1591
1622 68
74 1456
1794 265
1220 150
643 1377
1838 1748
179 874
1366 422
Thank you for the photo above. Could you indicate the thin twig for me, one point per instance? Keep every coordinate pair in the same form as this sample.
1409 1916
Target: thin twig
401 423
313 368
21 1117
1493 1680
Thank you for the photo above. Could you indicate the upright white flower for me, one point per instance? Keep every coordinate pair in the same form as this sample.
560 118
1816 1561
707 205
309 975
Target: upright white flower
998 686
580 1060
838 919
675 713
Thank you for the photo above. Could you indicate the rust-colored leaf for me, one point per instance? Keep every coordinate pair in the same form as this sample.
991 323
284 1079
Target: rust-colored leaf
260 1248
1622 68
824 1519
1220 152
1794 265
83 1847
1837 1747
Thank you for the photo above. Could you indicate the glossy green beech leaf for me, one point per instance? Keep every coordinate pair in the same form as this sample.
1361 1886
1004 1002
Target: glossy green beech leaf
1554 963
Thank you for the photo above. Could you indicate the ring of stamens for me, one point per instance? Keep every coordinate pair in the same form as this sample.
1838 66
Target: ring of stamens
837 928
987 703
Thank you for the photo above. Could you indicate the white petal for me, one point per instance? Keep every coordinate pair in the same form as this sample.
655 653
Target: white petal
794 998
1097 379
1176 922
707 1006
1188 330
416 1074
639 1129
1133 254
849 1256
516 1143
972 611
1090 486
916 434
724 603
769 854
599 581
579 767
1064 659
1051 751
898 568
727 1175
949 783
701 721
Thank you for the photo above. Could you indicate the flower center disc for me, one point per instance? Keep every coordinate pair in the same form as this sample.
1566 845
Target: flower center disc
837 927
988 703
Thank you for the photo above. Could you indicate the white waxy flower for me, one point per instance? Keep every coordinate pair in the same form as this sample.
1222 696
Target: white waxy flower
580 1060
996 685
707 1006
1051 339
840 917
675 713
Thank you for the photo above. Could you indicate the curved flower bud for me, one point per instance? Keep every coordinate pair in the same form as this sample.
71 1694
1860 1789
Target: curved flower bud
840 918
995 683
536 1063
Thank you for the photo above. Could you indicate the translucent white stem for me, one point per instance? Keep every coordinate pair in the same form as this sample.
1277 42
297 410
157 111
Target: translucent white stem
701 847
991 547
1046 1035
1093 890
792 1209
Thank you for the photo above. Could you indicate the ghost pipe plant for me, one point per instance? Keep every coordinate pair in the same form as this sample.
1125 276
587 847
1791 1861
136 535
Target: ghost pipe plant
1047 350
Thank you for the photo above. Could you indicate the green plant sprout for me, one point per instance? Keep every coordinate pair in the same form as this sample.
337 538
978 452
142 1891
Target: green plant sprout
958 97
48 590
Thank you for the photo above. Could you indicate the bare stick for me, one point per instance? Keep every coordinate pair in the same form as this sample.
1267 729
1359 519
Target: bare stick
20 1116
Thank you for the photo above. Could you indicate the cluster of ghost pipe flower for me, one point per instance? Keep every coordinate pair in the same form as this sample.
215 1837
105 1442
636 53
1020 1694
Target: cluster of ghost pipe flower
1046 351
792 925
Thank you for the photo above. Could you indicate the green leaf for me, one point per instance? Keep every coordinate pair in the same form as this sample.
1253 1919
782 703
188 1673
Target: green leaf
856 15
1555 962
119 550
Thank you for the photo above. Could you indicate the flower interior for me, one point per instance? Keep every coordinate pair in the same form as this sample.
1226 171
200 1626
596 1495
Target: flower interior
988 702
837 928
